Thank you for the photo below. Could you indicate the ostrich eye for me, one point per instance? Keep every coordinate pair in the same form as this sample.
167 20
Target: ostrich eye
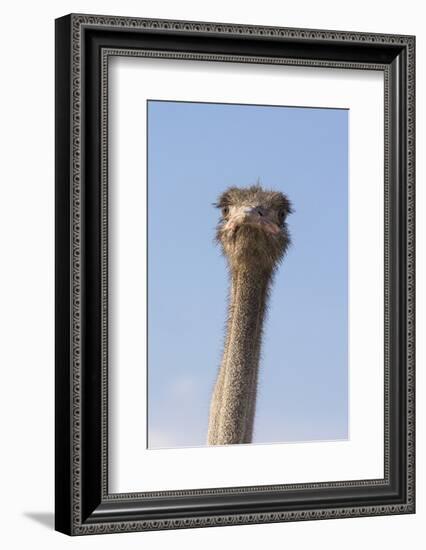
225 211
281 215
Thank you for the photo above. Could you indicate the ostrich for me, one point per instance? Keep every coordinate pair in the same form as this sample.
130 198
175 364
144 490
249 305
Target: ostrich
253 235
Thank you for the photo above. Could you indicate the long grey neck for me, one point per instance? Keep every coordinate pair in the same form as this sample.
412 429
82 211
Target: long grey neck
234 397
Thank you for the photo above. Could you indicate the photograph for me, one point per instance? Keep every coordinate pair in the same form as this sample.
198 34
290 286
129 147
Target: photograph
234 304
247 274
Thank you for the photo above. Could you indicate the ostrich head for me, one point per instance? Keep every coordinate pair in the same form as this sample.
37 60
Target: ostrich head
253 229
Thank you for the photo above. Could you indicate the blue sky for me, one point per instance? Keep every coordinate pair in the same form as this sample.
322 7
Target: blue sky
196 151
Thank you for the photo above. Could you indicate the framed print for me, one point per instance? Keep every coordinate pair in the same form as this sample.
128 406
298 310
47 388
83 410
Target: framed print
234 274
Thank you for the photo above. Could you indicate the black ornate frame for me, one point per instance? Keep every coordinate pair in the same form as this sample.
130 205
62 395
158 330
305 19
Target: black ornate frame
83 46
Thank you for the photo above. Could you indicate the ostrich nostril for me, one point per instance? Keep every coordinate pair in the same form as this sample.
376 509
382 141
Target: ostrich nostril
259 211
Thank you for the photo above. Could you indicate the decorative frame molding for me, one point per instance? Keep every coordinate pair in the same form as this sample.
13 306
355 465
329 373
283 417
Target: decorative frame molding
84 44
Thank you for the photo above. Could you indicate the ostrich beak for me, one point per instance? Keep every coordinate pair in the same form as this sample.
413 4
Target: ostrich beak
254 216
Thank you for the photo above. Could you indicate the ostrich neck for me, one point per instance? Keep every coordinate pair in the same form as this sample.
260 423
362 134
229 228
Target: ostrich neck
249 286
